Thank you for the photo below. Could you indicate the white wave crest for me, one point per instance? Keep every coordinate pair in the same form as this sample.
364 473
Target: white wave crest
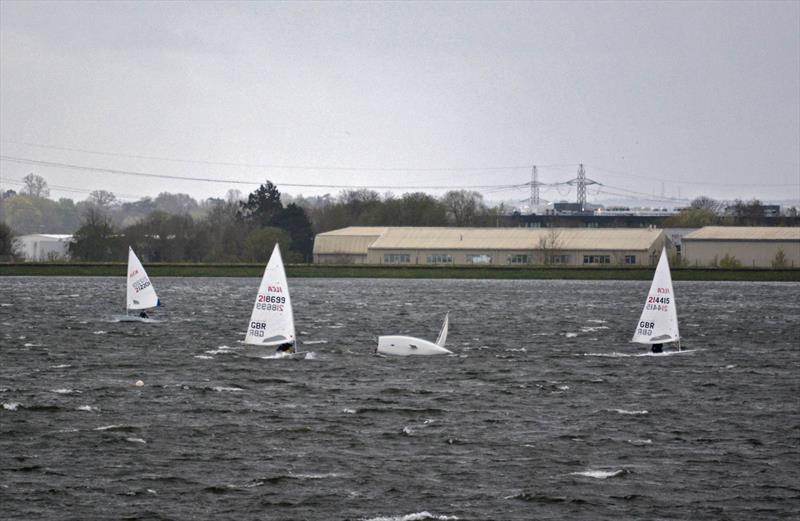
418 516
634 412
60 366
64 391
221 350
641 442
571 335
88 408
316 476
135 440
600 474
349 411
101 332
11 406
312 342
220 389
110 427
204 357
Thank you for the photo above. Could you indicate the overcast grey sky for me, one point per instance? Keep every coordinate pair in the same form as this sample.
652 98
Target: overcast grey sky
679 98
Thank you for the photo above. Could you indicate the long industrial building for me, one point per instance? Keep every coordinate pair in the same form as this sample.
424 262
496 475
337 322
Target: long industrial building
489 246
748 246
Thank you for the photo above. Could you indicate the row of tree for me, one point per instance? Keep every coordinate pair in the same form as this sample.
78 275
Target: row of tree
31 211
230 231
176 227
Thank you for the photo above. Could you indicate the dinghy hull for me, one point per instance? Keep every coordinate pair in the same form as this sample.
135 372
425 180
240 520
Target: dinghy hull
408 346
135 318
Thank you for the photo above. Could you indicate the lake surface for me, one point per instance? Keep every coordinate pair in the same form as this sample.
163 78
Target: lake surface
545 411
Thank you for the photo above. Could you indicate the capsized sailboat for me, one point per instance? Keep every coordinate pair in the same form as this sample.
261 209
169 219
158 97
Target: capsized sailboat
659 321
140 293
408 346
272 321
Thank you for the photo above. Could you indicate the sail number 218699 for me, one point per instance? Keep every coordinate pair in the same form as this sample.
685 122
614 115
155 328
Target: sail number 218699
270 303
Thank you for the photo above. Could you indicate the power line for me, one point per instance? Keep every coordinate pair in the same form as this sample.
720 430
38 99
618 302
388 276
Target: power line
681 182
71 189
54 164
277 166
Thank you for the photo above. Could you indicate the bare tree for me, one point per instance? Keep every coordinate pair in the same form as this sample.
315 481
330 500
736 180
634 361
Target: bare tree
548 244
102 198
703 202
463 206
234 196
35 185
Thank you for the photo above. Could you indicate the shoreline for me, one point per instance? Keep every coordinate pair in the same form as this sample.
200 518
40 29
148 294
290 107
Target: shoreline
100 269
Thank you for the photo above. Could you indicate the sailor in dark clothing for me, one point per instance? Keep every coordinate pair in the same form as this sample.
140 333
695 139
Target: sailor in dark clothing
658 348
143 315
287 348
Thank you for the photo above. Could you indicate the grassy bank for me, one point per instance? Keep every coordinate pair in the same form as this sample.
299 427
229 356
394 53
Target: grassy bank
414 272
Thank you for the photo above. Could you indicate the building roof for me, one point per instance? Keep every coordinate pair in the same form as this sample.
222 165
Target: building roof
56 236
359 240
745 233
354 240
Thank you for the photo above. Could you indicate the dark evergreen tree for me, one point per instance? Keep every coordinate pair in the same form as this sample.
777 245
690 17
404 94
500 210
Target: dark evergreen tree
262 205
7 249
295 222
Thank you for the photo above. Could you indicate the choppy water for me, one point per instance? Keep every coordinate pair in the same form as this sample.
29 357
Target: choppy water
544 412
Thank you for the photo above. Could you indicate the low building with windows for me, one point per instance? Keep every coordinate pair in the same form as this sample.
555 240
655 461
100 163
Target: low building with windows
746 246
489 246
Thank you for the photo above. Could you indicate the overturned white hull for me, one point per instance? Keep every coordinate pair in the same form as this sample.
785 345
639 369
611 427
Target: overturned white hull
408 346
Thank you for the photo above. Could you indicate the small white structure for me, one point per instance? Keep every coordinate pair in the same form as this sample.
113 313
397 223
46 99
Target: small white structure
44 246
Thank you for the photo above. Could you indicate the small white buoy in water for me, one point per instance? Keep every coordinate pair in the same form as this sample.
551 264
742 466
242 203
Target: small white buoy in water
139 383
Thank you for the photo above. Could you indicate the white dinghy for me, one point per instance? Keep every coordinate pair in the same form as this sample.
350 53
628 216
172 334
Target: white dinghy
272 321
659 321
407 345
140 294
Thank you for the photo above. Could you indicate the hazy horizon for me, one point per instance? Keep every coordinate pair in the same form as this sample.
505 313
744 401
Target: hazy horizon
669 98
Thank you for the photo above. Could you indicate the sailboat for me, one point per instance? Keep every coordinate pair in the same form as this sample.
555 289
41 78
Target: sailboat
659 321
407 345
272 321
140 294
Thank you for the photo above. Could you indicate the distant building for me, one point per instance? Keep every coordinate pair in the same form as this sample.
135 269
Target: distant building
489 246
767 210
588 220
345 246
752 246
43 246
675 237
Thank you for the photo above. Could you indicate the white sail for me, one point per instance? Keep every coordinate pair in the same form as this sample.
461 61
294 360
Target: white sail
272 322
659 321
443 333
140 291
